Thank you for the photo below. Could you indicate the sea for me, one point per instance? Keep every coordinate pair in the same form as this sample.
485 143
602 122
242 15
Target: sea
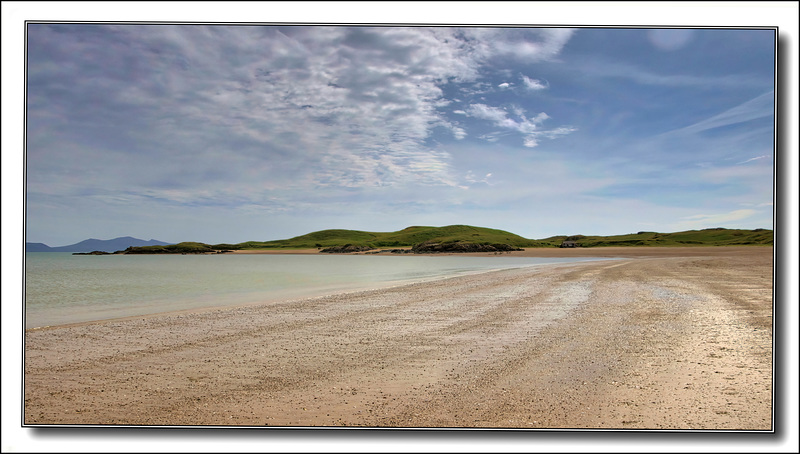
61 288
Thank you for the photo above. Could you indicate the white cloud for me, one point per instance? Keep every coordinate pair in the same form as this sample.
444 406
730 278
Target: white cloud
533 84
474 179
752 159
530 44
555 133
530 141
491 137
517 110
490 113
529 127
458 133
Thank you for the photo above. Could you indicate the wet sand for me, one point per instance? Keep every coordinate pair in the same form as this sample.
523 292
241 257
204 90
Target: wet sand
665 338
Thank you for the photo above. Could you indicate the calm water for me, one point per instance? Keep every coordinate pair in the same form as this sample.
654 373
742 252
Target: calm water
63 288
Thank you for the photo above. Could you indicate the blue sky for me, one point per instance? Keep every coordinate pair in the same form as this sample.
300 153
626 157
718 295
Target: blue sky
230 133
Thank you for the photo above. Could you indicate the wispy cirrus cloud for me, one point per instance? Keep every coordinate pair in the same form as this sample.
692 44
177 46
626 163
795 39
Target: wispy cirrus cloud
643 76
752 159
528 127
759 107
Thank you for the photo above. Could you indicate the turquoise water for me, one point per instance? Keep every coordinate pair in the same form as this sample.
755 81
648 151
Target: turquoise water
63 288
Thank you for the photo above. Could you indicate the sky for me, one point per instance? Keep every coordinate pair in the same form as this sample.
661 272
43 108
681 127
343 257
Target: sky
232 132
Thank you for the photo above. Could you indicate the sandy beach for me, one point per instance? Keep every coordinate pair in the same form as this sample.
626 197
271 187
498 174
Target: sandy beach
661 338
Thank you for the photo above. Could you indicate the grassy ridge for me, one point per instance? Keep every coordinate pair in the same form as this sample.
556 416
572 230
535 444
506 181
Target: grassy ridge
403 238
415 235
706 237
479 235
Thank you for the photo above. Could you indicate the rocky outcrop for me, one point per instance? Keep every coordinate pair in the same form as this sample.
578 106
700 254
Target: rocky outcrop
346 249
460 246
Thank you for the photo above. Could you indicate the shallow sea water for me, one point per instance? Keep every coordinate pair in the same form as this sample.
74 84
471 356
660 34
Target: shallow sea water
62 288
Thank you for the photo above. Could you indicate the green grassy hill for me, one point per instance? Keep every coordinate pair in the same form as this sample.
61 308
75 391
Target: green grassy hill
411 236
403 238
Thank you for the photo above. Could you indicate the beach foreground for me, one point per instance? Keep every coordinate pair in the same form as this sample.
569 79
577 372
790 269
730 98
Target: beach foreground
678 338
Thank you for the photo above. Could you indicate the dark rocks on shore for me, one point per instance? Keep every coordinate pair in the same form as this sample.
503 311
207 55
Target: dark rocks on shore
428 247
183 249
461 246
346 249
93 253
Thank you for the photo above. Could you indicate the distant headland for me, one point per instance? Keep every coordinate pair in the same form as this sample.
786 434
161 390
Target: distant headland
94 245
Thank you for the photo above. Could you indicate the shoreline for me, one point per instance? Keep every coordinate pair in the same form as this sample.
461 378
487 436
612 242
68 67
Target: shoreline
610 251
593 253
355 289
677 342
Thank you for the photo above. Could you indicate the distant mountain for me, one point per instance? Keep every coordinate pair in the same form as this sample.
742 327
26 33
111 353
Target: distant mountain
90 245
37 247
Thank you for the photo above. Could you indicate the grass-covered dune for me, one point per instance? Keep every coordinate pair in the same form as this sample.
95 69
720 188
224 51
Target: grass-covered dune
403 238
465 234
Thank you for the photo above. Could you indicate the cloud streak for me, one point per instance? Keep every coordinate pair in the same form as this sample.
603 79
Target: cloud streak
752 159
528 127
760 107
